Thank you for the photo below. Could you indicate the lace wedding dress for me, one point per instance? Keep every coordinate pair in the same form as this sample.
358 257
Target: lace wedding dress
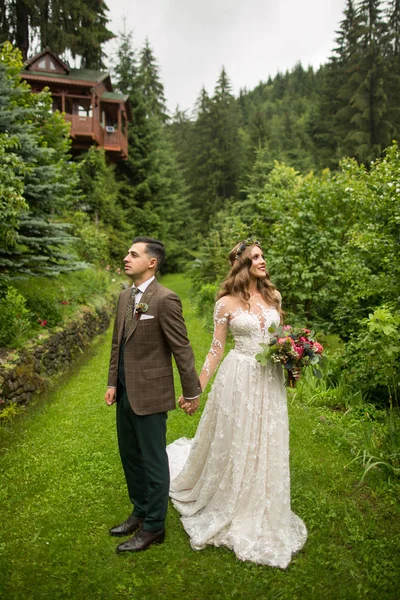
231 483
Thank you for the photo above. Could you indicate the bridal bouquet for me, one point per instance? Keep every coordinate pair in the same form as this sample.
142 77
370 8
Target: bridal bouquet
295 348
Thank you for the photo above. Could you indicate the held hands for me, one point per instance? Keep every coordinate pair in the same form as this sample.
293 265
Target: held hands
189 406
110 396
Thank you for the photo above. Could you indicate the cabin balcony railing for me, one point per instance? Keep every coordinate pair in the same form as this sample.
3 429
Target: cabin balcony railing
115 139
80 125
89 127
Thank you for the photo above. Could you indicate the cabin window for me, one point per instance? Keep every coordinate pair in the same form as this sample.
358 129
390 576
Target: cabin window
84 108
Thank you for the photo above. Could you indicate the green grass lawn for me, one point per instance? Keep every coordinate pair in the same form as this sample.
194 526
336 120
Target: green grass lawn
62 487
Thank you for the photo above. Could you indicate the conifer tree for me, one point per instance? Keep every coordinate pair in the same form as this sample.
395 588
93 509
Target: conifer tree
153 191
76 25
225 117
362 120
48 180
393 64
134 173
151 86
201 178
332 121
91 33
181 135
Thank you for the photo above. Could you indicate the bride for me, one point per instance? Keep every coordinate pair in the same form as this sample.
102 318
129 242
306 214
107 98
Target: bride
231 483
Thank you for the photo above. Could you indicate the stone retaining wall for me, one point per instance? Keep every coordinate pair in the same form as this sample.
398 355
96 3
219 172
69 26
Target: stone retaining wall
25 372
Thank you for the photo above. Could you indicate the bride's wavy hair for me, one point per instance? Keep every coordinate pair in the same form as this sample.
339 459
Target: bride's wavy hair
238 280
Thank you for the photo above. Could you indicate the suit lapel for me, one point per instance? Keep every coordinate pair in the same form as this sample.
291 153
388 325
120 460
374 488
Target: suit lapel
144 299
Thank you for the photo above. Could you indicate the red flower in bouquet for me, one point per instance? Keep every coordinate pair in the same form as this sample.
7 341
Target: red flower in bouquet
294 348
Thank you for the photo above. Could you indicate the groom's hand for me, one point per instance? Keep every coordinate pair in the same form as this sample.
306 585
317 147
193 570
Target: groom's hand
111 396
189 406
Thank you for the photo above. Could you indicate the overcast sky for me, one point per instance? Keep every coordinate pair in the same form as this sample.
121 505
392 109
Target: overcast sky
193 39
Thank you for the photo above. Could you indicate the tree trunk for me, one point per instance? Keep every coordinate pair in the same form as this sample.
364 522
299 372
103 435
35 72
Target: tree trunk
22 29
44 26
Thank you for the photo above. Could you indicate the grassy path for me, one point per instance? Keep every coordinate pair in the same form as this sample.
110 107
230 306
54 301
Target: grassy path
62 487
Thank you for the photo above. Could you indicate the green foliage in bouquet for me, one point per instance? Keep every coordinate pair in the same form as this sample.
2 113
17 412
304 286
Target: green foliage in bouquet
294 348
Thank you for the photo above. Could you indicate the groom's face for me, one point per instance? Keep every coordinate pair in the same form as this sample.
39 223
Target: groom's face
139 266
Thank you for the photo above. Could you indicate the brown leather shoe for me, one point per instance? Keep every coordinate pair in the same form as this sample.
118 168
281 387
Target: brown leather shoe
127 527
142 540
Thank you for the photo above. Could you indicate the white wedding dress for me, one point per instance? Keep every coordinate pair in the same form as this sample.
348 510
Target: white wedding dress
231 483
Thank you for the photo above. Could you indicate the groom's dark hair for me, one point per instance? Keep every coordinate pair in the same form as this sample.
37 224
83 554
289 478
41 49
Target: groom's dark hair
154 248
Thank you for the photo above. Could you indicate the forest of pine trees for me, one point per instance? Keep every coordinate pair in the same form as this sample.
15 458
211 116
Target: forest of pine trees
310 120
183 169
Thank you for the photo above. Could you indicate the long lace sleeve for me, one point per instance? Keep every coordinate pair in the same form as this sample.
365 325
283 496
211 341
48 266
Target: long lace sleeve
214 356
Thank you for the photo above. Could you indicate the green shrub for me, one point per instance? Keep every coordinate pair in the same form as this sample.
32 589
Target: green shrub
7 413
42 300
205 300
14 317
327 391
80 287
372 357
91 242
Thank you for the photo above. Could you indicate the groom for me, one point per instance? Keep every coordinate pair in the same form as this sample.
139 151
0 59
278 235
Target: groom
148 329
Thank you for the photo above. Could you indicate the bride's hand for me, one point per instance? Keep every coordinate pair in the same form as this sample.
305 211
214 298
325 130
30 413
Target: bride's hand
189 406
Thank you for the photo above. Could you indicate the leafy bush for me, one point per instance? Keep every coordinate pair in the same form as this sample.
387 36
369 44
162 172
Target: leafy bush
211 264
328 391
41 295
205 300
44 302
91 241
372 357
14 317
80 287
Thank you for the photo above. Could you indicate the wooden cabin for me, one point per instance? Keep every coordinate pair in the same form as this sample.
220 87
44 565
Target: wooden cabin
97 114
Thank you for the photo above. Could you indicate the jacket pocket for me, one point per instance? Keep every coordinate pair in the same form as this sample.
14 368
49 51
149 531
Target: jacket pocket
157 372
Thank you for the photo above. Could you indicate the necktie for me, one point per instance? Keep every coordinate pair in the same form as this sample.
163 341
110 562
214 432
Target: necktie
130 309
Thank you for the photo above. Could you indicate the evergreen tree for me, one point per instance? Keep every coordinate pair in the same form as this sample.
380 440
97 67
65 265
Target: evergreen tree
125 69
134 173
393 64
76 25
91 33
4 24
181 135
322 117
201 178
226 151
40 141
153 191
362 121
215 151
151 86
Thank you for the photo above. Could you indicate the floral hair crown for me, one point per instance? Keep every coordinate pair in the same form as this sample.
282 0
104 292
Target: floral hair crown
244 245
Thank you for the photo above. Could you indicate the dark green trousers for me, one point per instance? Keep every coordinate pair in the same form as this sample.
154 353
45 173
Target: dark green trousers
142 447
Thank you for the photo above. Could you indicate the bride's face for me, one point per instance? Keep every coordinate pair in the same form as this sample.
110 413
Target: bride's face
258 265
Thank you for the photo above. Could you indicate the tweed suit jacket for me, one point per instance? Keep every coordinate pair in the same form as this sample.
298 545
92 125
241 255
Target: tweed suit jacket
149 346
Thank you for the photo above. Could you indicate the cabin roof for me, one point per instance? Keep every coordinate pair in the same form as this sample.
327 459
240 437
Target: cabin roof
114 96
63 65
65 75
74 76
